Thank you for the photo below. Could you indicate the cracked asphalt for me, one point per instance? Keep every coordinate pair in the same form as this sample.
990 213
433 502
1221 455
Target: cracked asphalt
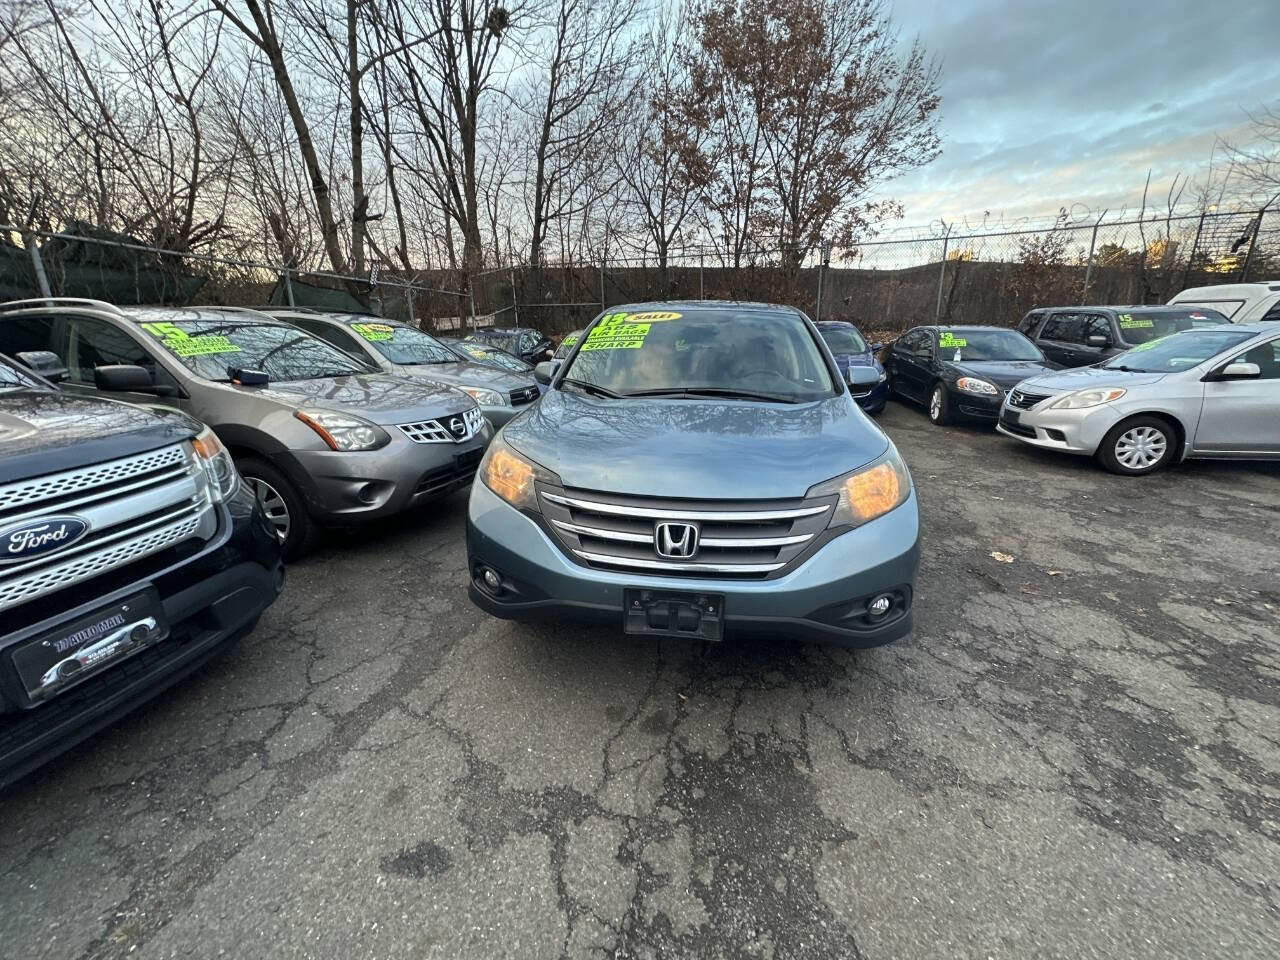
1076 754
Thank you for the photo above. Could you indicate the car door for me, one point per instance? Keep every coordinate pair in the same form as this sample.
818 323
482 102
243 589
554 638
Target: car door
916 362
1095 325
1242 417
92 342
895 363
1061 334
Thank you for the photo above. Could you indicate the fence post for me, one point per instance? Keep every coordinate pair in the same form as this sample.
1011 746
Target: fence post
288 288
1253 242
604 255
702 293
1194 245
942 274
408 296
37 265
1088 270
471 292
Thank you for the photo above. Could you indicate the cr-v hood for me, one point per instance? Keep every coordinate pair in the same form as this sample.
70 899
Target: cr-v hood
701 449
464 374
42 431
1082 378
376 397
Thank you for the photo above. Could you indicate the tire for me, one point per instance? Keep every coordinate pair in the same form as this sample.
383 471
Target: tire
282 504
939 406
1137 446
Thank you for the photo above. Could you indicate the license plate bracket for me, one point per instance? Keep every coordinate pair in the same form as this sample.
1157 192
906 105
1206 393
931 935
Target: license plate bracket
59 659
674 613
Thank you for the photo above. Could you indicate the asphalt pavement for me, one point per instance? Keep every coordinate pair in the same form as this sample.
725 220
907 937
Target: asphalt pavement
1076 754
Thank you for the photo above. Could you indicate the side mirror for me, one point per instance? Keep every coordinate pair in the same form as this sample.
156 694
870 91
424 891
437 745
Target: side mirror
1241 371
123 377
45 363
248 378
544 371
862 380
877 347
1097 340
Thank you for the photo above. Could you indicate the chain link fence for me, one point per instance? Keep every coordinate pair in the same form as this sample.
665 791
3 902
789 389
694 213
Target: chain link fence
884 285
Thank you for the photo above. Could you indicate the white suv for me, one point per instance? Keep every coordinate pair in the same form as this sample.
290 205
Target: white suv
1238 302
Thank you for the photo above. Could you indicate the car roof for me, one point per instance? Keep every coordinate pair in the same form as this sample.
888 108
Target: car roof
1223 290
1257 326
241 315
969 326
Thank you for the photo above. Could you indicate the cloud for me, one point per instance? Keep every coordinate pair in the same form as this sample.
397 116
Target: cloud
1059 104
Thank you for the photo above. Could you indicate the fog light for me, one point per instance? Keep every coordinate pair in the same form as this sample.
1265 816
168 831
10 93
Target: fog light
880 605
491 578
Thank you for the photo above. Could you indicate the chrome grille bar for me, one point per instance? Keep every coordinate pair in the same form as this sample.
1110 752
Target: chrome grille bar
602 533
656 513
679 566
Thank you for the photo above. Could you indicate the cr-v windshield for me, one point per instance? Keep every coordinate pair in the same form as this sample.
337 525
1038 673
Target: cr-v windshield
211 348
980 345
1142 327
698 353
1177 352
402 344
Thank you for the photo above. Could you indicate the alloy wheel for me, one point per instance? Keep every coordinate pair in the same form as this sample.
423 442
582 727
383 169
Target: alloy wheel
935 404
1141 448
273 505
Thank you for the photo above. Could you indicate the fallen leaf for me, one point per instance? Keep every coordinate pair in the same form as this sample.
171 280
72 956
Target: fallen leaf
1001 557
1055 573
1223 602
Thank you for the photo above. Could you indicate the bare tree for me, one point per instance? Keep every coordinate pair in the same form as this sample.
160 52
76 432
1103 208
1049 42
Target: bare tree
1257 161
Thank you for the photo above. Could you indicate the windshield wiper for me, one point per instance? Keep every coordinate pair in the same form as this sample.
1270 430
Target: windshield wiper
1125 369
727 393
593 389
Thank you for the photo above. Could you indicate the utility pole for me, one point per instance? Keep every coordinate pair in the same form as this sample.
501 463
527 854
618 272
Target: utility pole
942 273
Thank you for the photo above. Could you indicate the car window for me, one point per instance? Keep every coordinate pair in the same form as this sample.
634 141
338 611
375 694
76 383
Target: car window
94 343
528 340
567 344
1228 308
979 345
1028 323
844 339
1064 328
401 344
1273 313
330 334
1179 351
19 334
915 342
211 347
14 377
1143 326
771 354
1266 356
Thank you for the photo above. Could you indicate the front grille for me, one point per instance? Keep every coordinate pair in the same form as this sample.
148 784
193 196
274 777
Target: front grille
524 395
446 479
1024 400
735 539
442 430
133 507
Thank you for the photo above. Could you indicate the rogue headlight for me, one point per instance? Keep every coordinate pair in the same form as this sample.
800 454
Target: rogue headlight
977 387
219 469
511 475
1086 398
486 397
868 492
341 431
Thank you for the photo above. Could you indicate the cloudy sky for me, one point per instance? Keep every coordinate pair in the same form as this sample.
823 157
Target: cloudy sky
1050 104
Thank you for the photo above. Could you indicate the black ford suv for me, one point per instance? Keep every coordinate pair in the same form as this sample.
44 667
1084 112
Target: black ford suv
130 554
1082 336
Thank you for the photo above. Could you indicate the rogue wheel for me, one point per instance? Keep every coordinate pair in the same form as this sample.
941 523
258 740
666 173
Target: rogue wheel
1137 446
281 505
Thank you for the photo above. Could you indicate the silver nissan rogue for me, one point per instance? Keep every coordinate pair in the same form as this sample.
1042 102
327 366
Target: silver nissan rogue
322 438
699 469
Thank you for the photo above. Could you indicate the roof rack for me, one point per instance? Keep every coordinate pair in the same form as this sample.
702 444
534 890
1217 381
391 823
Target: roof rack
14 305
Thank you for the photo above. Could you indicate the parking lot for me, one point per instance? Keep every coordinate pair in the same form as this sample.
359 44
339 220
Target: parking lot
1075 754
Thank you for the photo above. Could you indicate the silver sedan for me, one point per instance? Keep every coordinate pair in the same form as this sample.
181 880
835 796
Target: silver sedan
1209 392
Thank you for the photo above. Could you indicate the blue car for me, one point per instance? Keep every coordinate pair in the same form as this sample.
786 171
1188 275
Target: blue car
851 349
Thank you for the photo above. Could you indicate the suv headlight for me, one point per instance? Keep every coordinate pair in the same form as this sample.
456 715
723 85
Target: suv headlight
1086 398
868 492
341 431
486 397
219 468
511 475
977 387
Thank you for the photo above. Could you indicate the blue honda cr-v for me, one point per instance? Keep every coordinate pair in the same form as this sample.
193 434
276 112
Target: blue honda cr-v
699 469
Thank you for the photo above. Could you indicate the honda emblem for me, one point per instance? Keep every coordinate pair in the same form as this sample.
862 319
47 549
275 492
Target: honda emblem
675 541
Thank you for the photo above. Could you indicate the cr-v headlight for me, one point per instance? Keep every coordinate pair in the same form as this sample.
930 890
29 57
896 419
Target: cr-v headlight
868 492
344 432
219 469
486 397
511 475
1086 398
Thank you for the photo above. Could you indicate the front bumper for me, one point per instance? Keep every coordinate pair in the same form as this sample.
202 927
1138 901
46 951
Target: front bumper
1069 431
822 600
874 401
976 406
341 488
210 600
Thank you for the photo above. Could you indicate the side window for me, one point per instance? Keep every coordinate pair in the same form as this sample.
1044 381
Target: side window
18 334
95 343
1267 357
330 334
1096 325
1064 328
1028 323
1273 313
909 341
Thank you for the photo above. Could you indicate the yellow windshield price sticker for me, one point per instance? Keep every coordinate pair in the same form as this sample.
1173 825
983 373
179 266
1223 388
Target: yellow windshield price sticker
374 331
653 316
949 341
569 341
1129 322
616 332
182 344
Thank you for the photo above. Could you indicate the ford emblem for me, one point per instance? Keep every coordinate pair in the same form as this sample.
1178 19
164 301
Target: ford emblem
36 538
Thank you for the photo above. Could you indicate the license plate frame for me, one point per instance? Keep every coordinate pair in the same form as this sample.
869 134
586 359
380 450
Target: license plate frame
59 659
674 613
